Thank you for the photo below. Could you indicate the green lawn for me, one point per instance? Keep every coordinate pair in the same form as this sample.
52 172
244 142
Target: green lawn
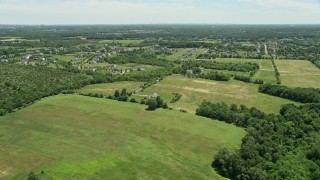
295 73
109 88
77 137
194 91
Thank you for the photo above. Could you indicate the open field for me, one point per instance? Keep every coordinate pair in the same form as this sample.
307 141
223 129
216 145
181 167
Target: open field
194 91
294 73
236 60
178 53
125 42
66 58
77 137
266 72
109 88
228 72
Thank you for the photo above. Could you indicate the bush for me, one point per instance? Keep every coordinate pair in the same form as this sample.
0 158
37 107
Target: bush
143 101
133 100
2 112
152 104
176 97
165 106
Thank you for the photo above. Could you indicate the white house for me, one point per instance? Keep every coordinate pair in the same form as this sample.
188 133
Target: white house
154 95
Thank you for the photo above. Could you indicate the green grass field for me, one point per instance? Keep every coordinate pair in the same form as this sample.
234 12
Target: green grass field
236 60
125 42
179 52
294 73
66 58
194 91
77 137
265 73
109 88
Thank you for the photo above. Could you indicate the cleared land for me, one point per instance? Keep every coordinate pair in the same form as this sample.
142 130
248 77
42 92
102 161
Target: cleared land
265 73
194 91
185 53
294 73
77 137
125 42
110 88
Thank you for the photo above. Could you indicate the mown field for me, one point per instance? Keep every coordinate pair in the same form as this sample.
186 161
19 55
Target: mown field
194 91
294 73
77 137
110 88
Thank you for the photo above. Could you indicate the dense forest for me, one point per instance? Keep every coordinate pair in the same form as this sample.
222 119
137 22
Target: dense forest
284 146
21 85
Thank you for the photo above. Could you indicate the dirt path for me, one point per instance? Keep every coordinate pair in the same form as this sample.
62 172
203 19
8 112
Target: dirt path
266 49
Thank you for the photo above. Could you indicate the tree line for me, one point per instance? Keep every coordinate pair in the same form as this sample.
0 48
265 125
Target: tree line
303 95
241 67
283 146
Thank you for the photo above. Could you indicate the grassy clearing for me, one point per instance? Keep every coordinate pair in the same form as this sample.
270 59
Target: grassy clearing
178 53
194 91
294 73
66 58
125 42
237 60
266 72
77 137
109 88
228 72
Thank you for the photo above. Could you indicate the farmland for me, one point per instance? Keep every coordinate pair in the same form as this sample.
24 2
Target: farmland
160 102
194 91
82 137
298 73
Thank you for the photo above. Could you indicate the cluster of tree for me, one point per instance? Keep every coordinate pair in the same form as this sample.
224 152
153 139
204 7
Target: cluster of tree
284 146
176 97
277 73
41 175
10 50
207 56
241 116
213 75
247 79
303 95
141 76
22 85
139 57
242 78
154 103
123 96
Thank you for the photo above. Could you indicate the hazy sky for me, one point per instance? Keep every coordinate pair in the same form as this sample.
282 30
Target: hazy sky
164 11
